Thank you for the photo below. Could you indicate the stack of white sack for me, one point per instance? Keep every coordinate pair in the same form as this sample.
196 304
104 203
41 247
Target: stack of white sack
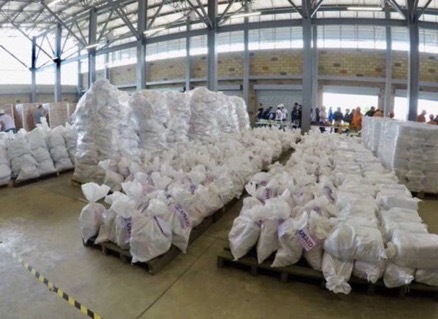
37 143
204 106
71 139
180 113
23 164
105 130
5 169
242 113
151 116
180 188
58 149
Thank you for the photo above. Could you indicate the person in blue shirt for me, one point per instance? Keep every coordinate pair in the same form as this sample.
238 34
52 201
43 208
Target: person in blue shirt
39 113
330 115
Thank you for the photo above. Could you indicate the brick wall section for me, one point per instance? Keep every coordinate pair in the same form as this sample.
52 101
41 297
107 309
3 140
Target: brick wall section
279 62
163 70
14 99
399 65
199 67
428 68
230 65
123 75
358 63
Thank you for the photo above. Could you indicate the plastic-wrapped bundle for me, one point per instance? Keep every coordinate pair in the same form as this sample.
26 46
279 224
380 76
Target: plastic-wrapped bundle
180 113
427 276
369 271
222 114
23 164
150 238
337 273
290 249
232 114
415 250
37 143
151 115
349 241
242 113
204 123
105 130
396 276
90 218
5 169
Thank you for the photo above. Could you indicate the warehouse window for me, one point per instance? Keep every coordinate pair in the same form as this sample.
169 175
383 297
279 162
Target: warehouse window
276 38
230 41
401 108
12 71
350 36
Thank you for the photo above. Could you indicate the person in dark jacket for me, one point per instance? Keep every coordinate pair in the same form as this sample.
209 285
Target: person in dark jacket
347 116
259 114
371 112
338 117
266 113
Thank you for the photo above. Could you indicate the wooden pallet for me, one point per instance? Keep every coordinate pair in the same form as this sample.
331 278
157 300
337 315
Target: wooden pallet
33 180
302 272
425 195
155 265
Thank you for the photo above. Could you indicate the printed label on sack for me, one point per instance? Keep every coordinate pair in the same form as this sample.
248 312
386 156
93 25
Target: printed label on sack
305 239
268 193
183 217
127 225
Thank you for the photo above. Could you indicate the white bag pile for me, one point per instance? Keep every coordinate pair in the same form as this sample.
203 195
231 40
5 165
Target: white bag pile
23 164
180 113
151 116
204 106
37 143
58 149
105 129
71 139
367 226
5 169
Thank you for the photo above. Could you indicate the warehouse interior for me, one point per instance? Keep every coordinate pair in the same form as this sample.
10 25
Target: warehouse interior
333 53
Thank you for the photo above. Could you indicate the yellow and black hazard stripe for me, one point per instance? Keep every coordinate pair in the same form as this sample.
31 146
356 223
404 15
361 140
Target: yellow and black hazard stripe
53 288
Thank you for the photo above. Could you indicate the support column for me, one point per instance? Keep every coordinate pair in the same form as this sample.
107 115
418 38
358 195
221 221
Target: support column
106 71
33 97
212 81
188 73
413 69
388 105
58 44
246 66
92 38
80 85
141 45
307 74
315 61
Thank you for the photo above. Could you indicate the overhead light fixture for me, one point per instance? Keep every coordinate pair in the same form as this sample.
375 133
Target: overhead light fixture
153 30
51 4
92 46
247 14
365 8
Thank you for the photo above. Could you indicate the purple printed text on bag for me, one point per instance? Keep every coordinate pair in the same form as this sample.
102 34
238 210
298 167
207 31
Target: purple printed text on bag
183 217
305 239
268 193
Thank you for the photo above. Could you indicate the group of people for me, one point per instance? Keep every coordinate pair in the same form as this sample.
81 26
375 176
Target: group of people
433 120
353 118
7 122
280 114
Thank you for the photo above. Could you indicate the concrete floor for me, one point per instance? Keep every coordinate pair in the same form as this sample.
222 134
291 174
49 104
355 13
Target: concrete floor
39 222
